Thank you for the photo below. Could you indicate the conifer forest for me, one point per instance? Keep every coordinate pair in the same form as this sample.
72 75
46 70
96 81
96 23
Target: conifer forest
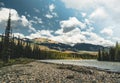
109 54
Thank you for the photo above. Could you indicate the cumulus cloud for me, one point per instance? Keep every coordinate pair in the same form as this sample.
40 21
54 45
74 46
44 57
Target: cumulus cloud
40 34
79 4
103 13
70 38
107 31
19 22
78 36
51 7
93 38
74 31
24 20
39 20
71 23
116 39
99 13
49 16
51 13
86 5
36 20
4 13
71 30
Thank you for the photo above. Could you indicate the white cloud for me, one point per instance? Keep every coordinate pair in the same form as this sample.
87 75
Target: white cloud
18 22
19 35
24 20
78 36
102 13
72 32
86 5
83 14
51 7
31 28
49 16
107 31
71 23
41 33
116 39
99 13
36 20
59 32
96 39
90 29
79 4
4 13
51 12
88 22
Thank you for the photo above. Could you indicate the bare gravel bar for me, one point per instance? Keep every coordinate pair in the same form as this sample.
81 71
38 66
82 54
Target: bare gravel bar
39 72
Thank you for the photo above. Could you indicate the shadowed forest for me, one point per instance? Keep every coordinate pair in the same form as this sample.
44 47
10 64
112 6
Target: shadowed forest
109 54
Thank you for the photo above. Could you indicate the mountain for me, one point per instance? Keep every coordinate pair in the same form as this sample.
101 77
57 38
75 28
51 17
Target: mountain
43 40
65 47
87 47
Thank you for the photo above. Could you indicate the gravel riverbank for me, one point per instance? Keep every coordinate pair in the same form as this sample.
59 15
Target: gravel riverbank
38 72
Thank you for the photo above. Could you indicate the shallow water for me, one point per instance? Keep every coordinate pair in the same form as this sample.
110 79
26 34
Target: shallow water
103 65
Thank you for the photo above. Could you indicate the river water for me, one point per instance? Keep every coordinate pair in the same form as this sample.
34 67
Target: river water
103 65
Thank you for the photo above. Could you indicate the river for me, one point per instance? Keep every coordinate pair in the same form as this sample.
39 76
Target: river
103 65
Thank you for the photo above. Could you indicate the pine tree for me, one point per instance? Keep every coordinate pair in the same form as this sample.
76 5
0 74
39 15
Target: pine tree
112 54
6 43
116 51
99 54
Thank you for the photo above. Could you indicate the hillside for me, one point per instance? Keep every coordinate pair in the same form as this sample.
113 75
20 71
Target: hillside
64 47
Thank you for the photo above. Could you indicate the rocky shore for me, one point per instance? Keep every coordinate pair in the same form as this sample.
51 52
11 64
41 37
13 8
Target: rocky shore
38 72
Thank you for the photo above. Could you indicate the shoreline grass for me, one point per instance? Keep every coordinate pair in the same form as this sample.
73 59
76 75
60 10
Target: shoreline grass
16 61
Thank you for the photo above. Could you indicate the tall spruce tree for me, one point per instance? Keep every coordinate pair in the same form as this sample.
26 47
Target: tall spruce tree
6 41
99 54
112 54
116 51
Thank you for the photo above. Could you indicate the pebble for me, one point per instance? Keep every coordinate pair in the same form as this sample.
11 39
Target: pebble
37 72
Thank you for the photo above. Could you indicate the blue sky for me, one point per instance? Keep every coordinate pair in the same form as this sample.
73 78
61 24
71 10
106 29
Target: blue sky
70 22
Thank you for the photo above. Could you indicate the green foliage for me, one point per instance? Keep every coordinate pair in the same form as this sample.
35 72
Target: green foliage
99 54
61 55
113 54
23 49
16 61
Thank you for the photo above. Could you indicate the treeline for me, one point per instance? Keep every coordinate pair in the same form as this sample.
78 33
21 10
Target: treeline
19 48
109 54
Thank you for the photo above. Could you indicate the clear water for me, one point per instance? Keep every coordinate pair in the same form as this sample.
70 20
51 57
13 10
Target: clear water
108 66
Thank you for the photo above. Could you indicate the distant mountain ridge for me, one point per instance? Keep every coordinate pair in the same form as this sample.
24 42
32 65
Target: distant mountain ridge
63 47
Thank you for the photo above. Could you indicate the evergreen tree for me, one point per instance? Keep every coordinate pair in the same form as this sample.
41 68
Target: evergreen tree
112 54
6 43
116 51
99 54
